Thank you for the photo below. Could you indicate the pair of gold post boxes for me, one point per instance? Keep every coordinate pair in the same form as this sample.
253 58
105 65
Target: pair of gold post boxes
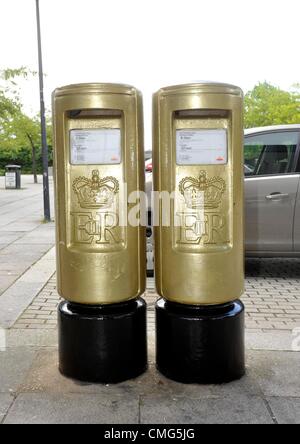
198 227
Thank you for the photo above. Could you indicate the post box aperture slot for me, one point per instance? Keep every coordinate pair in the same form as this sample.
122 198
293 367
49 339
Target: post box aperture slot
84 113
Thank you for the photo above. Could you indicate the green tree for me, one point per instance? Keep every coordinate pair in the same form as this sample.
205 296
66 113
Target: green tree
9 93
20 137
267 105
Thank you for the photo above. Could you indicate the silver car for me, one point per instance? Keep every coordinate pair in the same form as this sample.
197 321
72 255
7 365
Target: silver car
272 193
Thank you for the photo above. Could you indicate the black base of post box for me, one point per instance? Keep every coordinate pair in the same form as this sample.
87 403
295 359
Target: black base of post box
197 344
105 344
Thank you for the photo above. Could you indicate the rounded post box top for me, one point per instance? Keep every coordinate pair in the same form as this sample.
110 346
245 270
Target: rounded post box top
201 87
95 88
13 167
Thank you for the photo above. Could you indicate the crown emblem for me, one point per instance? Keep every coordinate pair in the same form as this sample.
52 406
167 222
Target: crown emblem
96 193
202 192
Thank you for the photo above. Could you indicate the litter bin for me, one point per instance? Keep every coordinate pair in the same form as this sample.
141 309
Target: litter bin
13 177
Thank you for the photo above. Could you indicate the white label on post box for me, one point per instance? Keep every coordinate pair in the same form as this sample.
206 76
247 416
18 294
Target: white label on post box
10 180
93 147
201 147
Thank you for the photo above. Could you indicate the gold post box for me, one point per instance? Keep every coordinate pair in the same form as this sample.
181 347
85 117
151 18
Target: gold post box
99 162
199 253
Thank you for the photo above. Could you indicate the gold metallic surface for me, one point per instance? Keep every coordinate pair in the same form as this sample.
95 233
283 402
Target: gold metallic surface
201 261
99 259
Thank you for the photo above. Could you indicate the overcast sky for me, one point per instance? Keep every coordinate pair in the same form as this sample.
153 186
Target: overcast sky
154 43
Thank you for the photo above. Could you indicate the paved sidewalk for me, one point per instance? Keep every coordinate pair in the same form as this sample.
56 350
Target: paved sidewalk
272 298
33 391
26 259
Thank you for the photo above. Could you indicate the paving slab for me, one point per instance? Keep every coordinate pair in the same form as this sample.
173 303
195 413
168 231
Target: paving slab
28 251
40 337
14 366
38 237
45 377
277 373
9 237
15 300
269 340
229 410
18 296
6 280
20 227
286 410
30 408
5 402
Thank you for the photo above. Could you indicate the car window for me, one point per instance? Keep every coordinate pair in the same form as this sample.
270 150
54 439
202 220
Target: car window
272 153
298 165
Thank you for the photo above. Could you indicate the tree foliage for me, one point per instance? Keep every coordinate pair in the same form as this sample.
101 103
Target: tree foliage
9 91
267 105
19 133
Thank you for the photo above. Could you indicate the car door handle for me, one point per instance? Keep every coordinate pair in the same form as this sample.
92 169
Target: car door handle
277 196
